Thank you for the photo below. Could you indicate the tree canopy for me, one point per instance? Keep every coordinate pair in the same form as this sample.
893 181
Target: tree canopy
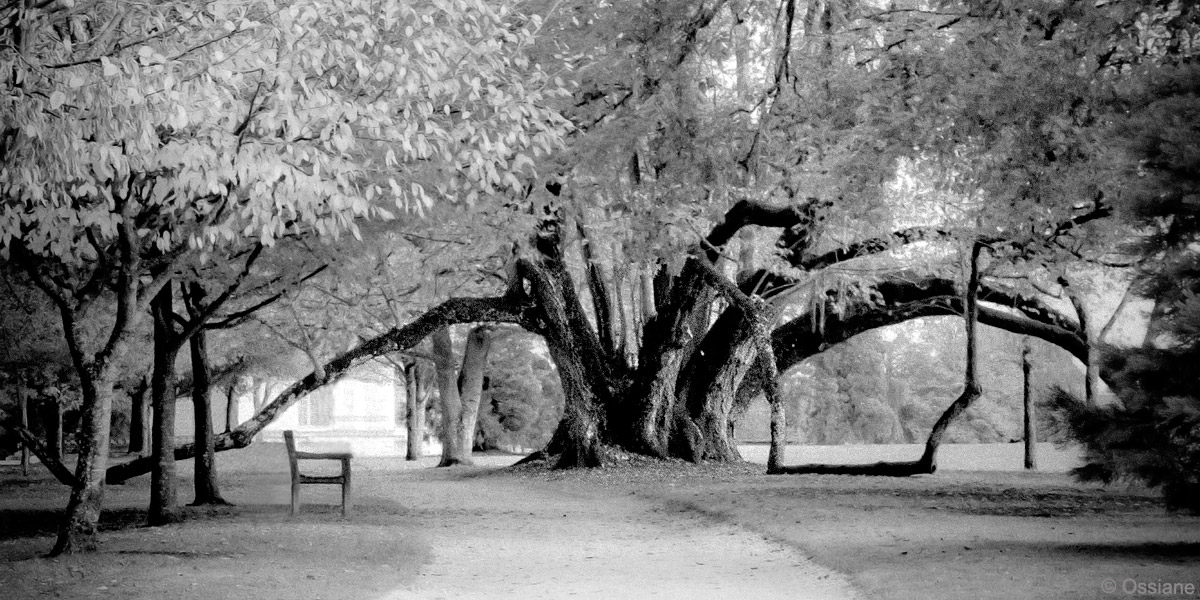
683 199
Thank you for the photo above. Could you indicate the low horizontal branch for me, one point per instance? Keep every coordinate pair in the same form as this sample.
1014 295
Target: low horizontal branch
451 312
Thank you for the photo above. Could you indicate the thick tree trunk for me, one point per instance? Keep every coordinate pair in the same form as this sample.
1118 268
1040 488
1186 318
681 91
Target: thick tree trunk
760 328
163 505
139 418
652 396
78 530
471 384
716 417
709 383
1030 421
590 380
579 436
449 400
205 465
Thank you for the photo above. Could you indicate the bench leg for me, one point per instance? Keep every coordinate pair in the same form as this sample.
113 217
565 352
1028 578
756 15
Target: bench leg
295 496
345 487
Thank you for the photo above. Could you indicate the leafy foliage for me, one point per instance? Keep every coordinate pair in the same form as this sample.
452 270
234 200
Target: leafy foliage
1154 436
523 402
247 119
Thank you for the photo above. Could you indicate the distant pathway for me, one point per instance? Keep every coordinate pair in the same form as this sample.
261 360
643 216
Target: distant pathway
511 538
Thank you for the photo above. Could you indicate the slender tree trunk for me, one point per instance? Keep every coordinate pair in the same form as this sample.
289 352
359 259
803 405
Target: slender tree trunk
139 418
54 429
1091 369
205 464
231 405
1158 323
971 390
1027 402
163 504
23 403
774 399
415 403
97 379
448 397
471 377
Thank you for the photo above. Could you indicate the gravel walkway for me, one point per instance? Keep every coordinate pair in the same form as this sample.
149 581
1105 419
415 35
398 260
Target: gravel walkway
504 537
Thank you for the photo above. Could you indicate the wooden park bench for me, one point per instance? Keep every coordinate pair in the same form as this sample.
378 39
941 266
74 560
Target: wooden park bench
298 478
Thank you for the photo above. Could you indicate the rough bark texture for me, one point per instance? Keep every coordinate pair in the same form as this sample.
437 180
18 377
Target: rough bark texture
712 407
574 349
207 487
163 503
669 340
679 399
77 533
760 325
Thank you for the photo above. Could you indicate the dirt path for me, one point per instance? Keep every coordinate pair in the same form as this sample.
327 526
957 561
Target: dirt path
495 537
414 533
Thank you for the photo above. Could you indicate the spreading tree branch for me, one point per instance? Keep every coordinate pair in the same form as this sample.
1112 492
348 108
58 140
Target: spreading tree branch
450 312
